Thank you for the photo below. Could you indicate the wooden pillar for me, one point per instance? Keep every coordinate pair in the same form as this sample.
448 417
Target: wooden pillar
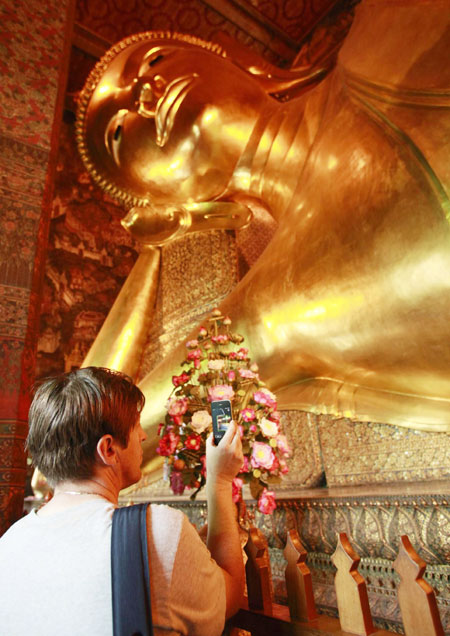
35 42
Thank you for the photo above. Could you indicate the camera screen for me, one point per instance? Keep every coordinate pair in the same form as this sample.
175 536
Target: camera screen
223 419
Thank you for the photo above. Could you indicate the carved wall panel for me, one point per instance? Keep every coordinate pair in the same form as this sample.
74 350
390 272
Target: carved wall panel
367 452
373 523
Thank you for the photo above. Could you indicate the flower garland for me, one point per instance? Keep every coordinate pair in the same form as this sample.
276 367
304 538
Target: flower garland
217 367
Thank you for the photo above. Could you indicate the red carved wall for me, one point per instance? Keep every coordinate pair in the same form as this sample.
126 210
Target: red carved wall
33 55
89 258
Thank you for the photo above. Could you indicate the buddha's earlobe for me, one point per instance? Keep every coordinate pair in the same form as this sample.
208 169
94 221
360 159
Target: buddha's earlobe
158 225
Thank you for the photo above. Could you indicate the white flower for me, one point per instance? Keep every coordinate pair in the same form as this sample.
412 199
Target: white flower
201 420
216 365
268 428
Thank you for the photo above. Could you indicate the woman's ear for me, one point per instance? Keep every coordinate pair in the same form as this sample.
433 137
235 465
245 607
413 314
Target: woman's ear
107 450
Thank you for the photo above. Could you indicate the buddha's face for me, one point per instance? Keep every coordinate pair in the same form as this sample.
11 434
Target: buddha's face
169 121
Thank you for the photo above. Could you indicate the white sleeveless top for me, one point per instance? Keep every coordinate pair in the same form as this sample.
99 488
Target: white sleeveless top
55 575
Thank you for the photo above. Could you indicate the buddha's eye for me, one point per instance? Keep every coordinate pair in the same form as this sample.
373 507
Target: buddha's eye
156 60
113 133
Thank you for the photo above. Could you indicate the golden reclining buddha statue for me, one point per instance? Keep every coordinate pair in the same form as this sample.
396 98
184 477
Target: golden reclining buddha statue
347 309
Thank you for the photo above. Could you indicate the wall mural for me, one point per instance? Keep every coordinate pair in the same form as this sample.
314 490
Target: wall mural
89 258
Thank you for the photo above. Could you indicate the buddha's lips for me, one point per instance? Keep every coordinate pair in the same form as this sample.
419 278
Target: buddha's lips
168 105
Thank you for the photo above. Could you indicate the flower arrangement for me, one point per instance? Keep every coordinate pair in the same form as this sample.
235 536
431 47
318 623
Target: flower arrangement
217 367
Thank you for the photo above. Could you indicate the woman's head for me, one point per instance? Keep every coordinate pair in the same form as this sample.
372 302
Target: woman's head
71 412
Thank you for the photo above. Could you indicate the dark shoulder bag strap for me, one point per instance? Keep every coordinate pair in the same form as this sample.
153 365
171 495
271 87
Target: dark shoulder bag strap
132 614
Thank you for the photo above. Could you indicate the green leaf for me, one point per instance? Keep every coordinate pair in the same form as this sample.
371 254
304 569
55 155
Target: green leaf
187 477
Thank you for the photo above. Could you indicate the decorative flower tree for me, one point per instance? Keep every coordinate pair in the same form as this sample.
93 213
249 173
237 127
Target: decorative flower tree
218 368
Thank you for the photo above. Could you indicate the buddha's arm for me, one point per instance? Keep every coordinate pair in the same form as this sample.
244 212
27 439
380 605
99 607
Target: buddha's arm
121 339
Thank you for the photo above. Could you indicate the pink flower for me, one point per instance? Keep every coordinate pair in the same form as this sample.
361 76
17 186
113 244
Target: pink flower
220 392
231 375
248 414
283 445
201 420
176 406
178 380
236 489
262 455
168 444
266 398
193 442
202 332
268 428
176 483
246 373
275 466
220 339
275 416
232 355
252 428
195 354
192 344
266 502
245 468
242 354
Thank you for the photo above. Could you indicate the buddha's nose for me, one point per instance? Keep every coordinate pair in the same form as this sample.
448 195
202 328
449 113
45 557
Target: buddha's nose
149 91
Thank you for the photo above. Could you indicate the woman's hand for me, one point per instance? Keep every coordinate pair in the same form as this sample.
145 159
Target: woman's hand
224 460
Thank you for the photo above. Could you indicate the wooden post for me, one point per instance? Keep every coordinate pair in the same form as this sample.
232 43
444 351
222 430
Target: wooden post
416 597
351 592
298 580
257 568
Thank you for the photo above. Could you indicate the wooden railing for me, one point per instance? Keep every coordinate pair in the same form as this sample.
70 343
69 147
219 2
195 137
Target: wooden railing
260 616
